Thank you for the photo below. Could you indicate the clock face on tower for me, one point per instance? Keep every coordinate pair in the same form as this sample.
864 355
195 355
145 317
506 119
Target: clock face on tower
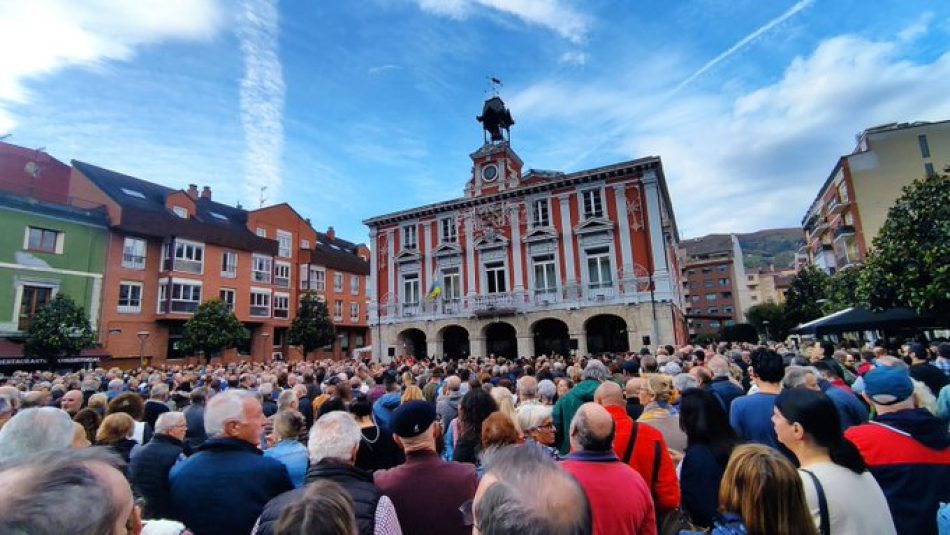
489 173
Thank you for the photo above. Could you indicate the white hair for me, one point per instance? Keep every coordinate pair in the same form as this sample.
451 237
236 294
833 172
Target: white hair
267 389
167 421
718 366
225 407
682 381
532 414
159 391
333 436
116 385
547 389
35 430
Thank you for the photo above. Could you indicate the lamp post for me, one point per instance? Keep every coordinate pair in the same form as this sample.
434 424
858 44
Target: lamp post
765 323
143 336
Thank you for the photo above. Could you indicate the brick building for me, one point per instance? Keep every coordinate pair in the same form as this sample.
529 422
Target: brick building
529 262
714 282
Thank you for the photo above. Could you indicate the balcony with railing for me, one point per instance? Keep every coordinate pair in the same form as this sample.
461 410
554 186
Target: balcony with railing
178 306
281 313
282 282
843 231
261 276
837 207
260 311
184 265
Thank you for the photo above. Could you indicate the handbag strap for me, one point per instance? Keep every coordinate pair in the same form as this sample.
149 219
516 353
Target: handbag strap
825 527
656 466
631 443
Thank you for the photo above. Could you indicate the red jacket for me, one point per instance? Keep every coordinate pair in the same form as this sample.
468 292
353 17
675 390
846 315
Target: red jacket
667 490
619 499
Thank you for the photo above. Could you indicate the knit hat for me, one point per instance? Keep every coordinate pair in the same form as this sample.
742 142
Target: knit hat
413 418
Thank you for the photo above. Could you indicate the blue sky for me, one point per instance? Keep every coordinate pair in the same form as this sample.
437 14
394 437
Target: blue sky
352 109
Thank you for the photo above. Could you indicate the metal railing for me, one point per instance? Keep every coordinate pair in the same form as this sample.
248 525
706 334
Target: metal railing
133 261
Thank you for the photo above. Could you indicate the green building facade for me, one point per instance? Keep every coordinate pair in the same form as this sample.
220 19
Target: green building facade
47 249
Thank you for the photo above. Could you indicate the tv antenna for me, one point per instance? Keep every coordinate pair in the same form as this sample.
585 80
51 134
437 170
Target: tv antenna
263 198
493 85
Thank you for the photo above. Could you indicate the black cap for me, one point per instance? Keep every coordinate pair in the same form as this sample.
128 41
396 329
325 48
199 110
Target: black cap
413 418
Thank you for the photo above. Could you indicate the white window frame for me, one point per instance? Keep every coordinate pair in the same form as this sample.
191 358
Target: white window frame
304 243
262 268
168 285
261 232
592 213
180 211
496 266
285 244
131 260
283 266
536 220
338 309
601 255
318 279
410 289
260 298
281 298
229 269
547 260
60 238
129 308
448 230
183 247
354 311
354 284
338 282
54 289
451 284
232 303
410 231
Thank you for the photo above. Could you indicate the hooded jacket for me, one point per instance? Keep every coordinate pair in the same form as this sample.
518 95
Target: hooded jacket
908 452
566 407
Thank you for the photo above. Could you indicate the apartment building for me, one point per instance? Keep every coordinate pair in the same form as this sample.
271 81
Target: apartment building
852 204
714 282
529 262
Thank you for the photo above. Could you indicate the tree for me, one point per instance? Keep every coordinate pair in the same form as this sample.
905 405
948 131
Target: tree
61 328
775 314
311 328
909 261
843 290
805 294
213 328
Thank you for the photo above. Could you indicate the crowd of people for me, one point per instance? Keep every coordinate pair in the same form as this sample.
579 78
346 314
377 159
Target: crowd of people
727 439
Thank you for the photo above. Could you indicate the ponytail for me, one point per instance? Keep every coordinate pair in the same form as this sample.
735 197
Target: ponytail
846 454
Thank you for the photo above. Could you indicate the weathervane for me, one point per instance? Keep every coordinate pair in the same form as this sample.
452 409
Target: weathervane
493 85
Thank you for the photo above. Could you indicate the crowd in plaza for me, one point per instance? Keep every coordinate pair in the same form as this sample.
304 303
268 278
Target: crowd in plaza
726 439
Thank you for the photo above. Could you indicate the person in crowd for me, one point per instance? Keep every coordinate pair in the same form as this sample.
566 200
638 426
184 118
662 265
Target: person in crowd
710 441
447 405
432 385
721 384
65 493
71 402
387 403
6 410
922 370
287 449
333 443
35 430
751 415
150 464
594 374
90 420
99 402
412 393
564 385
79 437
537 427
620 500
304 403
426 491
841 493
115 433
498 430
850 409
505 402
527 390
642 448
906 448
325 508
268 403
631 392
476 406
655 396
525 492
825 351
132 404
762 494
223 488
547 391
156 405
194 413
943 359
378 450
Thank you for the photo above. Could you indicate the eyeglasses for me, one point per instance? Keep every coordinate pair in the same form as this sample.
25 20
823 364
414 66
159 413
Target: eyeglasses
543 427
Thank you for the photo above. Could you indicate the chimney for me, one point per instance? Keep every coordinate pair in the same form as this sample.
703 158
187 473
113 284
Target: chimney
206 193
193 191
331 234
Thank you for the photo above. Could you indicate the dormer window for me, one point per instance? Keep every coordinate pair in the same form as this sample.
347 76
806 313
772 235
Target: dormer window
180 211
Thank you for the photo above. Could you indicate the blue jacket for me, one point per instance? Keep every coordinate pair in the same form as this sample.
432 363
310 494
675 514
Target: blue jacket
148 473
223 488
383 409
294 457
850 410
725 391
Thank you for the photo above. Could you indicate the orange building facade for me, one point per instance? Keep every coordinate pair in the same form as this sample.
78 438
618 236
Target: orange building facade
530 263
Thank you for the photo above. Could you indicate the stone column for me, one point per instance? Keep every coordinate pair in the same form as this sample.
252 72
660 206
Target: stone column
623 222
581 337
390 265
477 346
425 277
518 286
661 270
567 233
525 346
469 257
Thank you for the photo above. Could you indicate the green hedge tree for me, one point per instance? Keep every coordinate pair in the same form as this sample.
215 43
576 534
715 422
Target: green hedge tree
843 290
59 329
312 327
213 328
775 314
806 293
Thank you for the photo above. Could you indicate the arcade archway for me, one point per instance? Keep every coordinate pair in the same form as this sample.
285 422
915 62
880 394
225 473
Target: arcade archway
412 342
551 337
455 342
606 333
501 340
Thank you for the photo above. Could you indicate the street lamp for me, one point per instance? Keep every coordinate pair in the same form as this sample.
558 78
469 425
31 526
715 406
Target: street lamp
765 323
143 336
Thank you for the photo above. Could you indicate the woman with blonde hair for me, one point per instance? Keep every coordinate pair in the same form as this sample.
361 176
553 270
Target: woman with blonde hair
115 433
762 493
655 396
506 404
412 393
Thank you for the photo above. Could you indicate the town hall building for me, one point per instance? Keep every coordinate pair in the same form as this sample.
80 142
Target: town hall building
529 262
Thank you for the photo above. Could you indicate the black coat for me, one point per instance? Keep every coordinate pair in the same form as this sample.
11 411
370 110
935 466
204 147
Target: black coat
148 473
195 420
359 483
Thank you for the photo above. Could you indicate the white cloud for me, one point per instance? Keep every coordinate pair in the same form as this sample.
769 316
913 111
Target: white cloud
262 98
556 15
40 37
380 69
918 28
752 161
573 57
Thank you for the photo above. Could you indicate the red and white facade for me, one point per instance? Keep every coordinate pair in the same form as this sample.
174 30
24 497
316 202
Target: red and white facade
529 264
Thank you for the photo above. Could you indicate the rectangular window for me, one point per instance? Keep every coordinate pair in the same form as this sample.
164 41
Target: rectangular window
694 298
338 309
318 279
410 289
722 269
186 256
409 237
929 170
261 268
354 311
285 241
32 300
496 278
184 298
180 211
707 271
227 297
281 306
714 324
727 310
710 297
260 303
229 264
545 275
43 240
130 297
451 284
708 284
133 253
593 204
924 146
714 310
448 231
304 244
691 272
540 216
727 295
598 268
282 274
354 285
338 282
723 282
262 232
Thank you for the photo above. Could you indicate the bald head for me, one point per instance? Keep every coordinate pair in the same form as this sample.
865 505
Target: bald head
452 384
609 394
633 387
592 429
71 402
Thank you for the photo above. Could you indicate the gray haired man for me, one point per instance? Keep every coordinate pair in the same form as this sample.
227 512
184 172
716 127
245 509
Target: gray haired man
35 430
150 465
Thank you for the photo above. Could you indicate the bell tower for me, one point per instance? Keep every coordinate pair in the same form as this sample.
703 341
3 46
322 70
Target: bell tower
495 167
